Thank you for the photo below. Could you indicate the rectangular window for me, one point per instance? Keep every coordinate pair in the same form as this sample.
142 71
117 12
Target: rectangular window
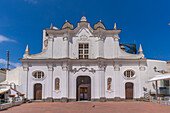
83 51
39 74
166 83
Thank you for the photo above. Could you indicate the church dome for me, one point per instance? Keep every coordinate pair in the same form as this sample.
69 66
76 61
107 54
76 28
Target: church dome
55 28
67 25
99 25
83 19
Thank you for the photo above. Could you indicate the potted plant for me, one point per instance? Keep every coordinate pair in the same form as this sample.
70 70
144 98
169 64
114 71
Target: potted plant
152 95
160 95
11 95
21 94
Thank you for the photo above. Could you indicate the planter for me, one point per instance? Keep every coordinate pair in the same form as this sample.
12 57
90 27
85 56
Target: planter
152 95
159 95
168 103
163 102
21 94
11 95
154 101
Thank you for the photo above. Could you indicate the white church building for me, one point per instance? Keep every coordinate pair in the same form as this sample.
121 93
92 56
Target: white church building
83 63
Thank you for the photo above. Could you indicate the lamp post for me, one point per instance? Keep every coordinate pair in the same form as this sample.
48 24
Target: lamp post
7 59
159 71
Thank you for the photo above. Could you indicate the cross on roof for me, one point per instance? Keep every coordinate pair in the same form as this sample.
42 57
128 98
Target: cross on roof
83 13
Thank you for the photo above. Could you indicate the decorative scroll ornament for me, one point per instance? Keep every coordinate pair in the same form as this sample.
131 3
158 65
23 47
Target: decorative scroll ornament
25 67
65 67
102 67
75 70
45 43
101 36
116 37
65 36
117 68
83 38
50 36
142 68
50 67
57 91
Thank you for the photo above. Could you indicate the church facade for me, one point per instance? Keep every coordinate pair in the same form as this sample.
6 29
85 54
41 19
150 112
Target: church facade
83 63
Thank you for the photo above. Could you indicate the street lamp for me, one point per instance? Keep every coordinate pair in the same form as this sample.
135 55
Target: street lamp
160 71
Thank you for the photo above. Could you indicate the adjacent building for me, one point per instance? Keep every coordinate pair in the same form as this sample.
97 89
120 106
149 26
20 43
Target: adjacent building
2 75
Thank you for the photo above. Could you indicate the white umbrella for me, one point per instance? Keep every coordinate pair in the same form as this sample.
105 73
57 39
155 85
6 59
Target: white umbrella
160 77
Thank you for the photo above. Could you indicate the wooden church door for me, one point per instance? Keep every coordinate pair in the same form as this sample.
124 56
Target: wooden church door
129 90
83 88
37 91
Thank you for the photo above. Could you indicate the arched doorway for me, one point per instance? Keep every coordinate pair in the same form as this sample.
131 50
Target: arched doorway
129 90
83 88
38 91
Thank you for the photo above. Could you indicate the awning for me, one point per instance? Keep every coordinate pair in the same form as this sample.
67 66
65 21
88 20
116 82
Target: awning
2 91
160 77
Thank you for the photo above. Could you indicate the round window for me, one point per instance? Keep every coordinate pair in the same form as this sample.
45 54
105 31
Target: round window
129 74
38 74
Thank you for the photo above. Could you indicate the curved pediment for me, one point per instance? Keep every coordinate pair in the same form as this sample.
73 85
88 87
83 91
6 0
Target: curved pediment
67 25
99 25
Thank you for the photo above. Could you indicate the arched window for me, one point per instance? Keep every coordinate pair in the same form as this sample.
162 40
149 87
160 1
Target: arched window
109 81
38 74
129 74
57 84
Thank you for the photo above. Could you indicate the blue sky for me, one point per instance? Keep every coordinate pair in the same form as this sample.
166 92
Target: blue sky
142 21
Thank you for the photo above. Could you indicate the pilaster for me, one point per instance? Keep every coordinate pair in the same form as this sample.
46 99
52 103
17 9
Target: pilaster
64 82
140 92
102 81
116 40
101 45
50 45
65 45
116 80
49 88
25 79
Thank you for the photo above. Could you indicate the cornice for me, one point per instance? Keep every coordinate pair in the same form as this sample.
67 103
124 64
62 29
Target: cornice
62 31
82 60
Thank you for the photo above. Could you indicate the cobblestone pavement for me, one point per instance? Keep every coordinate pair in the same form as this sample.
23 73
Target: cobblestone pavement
90 107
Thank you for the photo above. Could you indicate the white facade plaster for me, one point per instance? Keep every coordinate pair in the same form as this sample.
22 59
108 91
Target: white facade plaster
168 66
60 59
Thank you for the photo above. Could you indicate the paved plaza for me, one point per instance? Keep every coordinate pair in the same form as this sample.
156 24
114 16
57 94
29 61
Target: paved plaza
90 107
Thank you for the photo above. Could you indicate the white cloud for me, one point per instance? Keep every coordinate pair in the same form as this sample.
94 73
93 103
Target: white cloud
3 39
4 63
31 1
